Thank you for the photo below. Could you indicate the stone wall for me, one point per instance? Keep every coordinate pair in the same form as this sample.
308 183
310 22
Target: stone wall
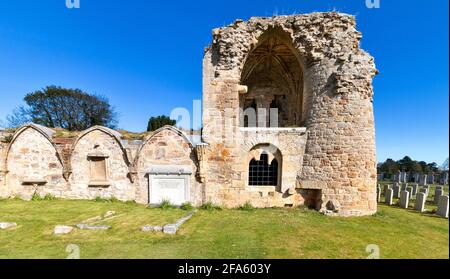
36 161
104 143
309 67
339 161
166 147
33 164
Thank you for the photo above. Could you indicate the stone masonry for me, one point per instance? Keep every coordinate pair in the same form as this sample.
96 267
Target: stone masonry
287 121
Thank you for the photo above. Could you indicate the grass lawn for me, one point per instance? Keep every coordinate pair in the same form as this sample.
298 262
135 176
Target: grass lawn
231 234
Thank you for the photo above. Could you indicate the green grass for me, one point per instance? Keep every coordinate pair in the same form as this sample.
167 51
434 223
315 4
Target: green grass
227 233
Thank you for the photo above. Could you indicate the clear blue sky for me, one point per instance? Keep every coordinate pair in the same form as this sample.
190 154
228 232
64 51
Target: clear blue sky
146 56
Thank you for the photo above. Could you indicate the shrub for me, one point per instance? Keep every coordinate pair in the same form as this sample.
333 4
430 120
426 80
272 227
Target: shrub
247 206
36 197
187 206
209 206
49 197
165 204
379 213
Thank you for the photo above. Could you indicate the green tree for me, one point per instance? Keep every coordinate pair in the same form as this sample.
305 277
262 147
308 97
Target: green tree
154 123
70 109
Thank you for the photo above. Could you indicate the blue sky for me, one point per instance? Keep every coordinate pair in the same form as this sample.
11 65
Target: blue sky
146 57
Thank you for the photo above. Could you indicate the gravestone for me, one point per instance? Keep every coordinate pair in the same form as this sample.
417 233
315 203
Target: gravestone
444 178
443 207
430 179
397 191
409 189
404 199
420 202
416 178
169 182
386 187
424 191
423 180
404 177
437 195
440 188
404 186
378 194
427 189
415 188
389 196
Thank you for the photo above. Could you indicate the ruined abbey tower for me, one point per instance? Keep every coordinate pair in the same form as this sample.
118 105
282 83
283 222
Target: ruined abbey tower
312 70
287 121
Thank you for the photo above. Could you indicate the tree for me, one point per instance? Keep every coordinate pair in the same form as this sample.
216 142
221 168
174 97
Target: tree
70 109
158 122
18 117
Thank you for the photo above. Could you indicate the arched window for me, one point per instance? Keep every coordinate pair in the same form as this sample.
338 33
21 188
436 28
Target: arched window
262 172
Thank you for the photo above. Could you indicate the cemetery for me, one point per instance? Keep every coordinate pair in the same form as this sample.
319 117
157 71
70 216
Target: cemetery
29 230
306 187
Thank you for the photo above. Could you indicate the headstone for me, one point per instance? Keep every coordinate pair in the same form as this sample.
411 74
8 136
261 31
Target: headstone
60 229
423 180
404 199
416 178
397 191
409 189
386 187
380 176
404 177
389 196
378 194
403 187
440 188
426 189
420 202
397 178
430 179
437 195
6 225
443 207
444 178
415 189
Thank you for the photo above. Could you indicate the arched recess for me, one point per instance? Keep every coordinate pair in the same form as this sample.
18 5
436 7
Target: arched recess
32 158
100 166
273 72
44 131
158 133
112 133
167 148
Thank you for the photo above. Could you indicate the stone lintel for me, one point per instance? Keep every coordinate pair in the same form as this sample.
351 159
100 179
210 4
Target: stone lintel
170 170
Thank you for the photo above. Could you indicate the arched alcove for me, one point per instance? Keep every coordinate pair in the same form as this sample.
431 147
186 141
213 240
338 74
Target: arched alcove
274 76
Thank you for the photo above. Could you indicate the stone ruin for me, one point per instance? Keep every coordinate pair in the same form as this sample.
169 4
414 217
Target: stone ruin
287 121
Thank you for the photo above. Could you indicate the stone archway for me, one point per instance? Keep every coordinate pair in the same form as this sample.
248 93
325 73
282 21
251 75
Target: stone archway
274 76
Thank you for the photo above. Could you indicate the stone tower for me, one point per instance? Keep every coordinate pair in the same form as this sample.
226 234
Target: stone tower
311 137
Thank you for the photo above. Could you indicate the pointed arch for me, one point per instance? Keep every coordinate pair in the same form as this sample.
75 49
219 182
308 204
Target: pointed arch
112 133
159 131
47 133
